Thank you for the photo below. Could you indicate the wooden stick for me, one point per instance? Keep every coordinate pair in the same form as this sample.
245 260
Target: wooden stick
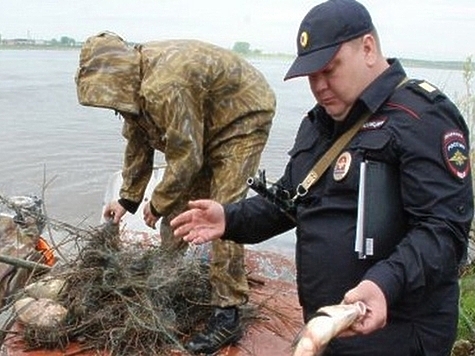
18 262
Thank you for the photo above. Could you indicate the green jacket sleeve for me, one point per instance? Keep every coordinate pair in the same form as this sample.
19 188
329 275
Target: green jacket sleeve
138 164
184 145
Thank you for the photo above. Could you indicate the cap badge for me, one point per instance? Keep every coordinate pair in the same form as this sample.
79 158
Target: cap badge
304 39
342 166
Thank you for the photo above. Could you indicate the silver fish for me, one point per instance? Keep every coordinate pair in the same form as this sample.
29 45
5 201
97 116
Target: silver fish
328 323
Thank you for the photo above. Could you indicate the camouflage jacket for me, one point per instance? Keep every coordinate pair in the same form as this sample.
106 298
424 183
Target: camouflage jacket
177 96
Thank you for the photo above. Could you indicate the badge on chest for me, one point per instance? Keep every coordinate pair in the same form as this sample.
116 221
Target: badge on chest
342 166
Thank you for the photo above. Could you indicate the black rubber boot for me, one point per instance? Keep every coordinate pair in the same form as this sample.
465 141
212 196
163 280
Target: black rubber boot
224 328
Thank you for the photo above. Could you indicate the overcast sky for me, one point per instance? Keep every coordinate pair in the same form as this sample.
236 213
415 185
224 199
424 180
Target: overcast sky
426 29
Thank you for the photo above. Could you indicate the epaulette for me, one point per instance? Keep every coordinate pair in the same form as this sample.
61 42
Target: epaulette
425 89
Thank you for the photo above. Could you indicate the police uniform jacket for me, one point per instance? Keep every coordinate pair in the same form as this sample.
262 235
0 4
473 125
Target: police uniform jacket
417 130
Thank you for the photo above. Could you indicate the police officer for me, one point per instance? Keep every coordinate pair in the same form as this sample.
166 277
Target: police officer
410 287
209 111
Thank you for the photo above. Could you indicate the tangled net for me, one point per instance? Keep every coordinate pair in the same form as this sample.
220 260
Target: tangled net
119 298
126 300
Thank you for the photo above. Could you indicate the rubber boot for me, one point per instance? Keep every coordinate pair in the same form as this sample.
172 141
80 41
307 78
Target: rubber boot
224 328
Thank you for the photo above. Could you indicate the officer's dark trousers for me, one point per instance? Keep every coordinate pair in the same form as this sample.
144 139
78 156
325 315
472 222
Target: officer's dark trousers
396 339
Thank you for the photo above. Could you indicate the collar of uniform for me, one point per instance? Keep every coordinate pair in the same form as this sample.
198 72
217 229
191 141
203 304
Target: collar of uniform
372 98
325 121
382 87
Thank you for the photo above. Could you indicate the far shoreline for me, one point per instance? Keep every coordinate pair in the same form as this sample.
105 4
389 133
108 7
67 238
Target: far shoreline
407 62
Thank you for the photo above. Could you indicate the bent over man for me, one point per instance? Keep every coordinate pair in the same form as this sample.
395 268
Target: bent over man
408 279
209 111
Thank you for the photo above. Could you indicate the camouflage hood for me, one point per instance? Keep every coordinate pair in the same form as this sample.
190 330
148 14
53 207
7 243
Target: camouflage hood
109 74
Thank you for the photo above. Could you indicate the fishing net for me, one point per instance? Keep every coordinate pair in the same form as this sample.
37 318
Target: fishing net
126 299
123 297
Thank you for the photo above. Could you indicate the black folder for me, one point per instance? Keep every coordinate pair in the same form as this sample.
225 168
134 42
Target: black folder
381 221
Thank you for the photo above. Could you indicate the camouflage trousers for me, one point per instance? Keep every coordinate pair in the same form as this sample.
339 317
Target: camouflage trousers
223 178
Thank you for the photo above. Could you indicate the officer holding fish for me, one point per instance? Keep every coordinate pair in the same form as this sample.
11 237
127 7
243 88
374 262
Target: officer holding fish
367 112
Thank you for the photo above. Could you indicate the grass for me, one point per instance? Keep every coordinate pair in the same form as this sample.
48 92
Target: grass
466 326
466 329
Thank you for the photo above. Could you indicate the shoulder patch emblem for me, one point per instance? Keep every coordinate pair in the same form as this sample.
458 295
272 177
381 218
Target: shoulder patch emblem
456 155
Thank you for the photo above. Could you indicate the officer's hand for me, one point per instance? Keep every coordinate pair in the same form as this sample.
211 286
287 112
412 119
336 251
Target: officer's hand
202 223
148 217
114 211
375 317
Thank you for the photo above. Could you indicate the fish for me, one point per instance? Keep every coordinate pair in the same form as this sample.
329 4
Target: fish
328 322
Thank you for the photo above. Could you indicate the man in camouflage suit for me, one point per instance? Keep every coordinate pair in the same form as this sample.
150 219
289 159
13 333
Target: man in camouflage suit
210 112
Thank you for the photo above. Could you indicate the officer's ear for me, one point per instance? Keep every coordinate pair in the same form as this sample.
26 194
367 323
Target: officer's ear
370 49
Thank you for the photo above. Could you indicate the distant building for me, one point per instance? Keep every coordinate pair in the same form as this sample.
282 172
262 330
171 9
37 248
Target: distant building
18 42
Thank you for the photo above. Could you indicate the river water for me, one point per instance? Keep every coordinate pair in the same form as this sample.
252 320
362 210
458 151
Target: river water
51 146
